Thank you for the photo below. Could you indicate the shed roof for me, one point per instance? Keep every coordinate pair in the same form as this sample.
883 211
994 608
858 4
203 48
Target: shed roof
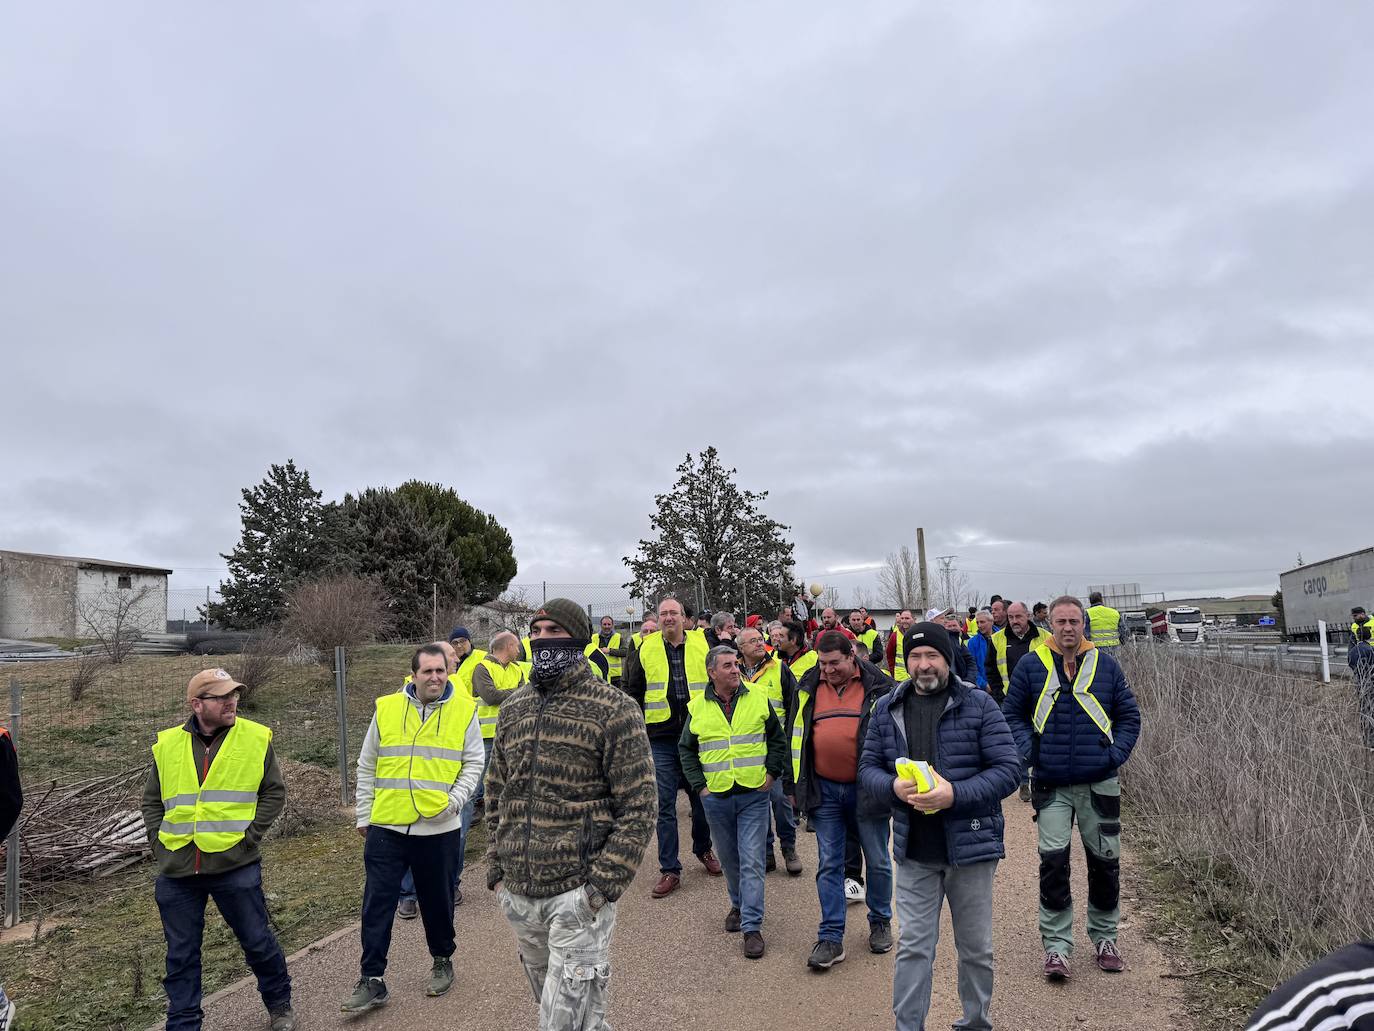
88 563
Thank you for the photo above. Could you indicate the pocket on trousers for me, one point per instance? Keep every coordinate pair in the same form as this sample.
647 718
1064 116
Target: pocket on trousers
1106 795
1040 796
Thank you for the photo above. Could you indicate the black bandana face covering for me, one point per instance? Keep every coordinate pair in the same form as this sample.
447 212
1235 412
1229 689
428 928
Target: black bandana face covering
552 658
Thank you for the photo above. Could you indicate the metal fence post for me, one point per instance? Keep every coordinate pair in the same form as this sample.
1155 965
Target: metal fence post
12 844
341 690
1326 657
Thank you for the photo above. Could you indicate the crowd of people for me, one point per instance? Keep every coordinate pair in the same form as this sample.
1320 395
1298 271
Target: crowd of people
895 748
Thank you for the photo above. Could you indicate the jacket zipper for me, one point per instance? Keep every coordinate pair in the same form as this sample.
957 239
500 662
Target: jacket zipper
529 795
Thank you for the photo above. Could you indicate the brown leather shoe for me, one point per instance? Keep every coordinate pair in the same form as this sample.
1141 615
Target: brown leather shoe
753 945
712 864
667 884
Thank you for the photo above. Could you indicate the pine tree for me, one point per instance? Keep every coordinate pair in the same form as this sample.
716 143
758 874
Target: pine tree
708 529
282 544
479 544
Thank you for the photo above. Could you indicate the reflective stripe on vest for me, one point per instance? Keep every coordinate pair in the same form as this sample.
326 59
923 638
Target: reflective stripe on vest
899 671
213 814
506 679
653 656
769 678
733 752
1105 622
417 762
798 729
1082 685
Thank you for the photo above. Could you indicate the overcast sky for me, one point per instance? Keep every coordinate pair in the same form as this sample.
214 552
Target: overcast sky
1084 289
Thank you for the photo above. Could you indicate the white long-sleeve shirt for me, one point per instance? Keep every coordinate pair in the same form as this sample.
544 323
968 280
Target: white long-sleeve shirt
474 760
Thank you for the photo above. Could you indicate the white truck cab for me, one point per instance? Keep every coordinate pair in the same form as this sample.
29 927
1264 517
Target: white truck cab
1186 625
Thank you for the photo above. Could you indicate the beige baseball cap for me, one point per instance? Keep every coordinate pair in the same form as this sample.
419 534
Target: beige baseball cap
210 683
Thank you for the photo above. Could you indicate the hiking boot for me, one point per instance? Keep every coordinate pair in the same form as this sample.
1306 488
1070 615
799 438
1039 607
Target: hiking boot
1109 958
667 884
370 993
732 921
283 1019
440 977
853 891
753 945
1056 967
712 864
825 955
793 864
407 909
771 863
1024 793
879 936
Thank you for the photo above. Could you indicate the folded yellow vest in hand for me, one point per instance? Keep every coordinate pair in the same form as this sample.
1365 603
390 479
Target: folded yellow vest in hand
920 773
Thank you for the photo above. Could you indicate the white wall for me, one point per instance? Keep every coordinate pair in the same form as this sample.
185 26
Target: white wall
95 585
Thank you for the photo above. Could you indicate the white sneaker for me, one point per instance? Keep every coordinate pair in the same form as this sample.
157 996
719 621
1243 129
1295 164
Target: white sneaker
853 891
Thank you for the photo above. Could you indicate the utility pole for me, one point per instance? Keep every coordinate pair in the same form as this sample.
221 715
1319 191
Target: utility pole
434 611
925 578
947 577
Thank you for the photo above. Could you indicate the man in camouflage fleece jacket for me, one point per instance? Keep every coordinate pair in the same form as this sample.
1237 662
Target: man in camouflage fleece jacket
571 803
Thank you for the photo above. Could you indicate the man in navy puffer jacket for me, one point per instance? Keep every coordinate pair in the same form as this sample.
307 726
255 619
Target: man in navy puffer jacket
1075 721
947 841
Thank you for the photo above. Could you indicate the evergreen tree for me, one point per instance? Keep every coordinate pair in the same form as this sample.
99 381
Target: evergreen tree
281 545
479 544
708 529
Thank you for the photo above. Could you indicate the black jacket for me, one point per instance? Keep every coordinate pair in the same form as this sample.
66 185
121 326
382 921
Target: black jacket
11 794
807 791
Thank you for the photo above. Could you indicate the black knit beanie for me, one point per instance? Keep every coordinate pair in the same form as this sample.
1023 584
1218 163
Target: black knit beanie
571 616
929 635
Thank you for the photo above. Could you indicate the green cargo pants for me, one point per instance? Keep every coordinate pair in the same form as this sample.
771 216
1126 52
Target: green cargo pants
1097 808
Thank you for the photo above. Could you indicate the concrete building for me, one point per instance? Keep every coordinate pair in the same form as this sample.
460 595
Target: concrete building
59 595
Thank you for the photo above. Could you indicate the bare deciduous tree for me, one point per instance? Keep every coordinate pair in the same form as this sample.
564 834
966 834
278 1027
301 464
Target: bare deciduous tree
261 661
863 598
899 581
336 610
114 619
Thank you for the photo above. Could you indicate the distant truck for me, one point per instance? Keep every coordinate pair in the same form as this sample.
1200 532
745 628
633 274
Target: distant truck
1140 623
1186 625
1327 590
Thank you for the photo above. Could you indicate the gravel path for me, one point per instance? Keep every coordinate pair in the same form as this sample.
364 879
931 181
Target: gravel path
675 967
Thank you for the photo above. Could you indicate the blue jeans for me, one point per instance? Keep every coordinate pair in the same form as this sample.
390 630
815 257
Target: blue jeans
238 894
738 823
464 822
668 775
838 811
784 816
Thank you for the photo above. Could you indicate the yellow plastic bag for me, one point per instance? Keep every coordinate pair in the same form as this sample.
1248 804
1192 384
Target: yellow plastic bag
920 773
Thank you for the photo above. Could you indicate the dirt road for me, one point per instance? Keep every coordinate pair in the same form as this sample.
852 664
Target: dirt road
675 967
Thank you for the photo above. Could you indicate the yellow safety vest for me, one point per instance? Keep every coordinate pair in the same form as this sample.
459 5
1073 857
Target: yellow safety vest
1106 625
1039 636
464 671
734 751
1082 692
769 677
1355 629
527 668
803 698
591 650
529 655
653 656
613 661
417 762
506 679
899 671
213 814
803 664
635 639
970 626
867 638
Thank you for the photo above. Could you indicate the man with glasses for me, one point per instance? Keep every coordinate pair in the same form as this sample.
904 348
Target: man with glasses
213 792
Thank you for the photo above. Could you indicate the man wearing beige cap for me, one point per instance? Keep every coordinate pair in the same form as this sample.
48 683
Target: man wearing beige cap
213 792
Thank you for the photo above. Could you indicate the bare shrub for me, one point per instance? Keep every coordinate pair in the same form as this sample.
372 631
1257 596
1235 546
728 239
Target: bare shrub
1258 785
114 618
84 673
261 662
336 610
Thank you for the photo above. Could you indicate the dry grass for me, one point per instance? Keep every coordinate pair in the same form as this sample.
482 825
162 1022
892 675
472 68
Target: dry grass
1254 794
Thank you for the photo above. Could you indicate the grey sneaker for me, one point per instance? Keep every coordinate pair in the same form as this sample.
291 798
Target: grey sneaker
879 936
793 864
407 909
283 1018
825 955
441 977
369 993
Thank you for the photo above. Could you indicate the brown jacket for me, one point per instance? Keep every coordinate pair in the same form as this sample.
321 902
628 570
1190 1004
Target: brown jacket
188 861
